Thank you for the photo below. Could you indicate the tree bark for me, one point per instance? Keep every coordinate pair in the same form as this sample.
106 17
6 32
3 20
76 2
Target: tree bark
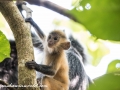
23 43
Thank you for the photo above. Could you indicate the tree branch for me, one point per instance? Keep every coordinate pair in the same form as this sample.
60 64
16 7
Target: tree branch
23 43
54 7
28 11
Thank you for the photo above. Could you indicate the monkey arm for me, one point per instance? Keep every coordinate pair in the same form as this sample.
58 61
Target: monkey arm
48 70
45 69
38 30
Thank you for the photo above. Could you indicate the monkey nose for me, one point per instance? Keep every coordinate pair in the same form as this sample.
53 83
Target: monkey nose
50 44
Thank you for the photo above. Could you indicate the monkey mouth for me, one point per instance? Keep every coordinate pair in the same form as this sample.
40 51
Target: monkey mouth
50 45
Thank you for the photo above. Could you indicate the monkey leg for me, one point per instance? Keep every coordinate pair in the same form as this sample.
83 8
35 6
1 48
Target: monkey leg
52 84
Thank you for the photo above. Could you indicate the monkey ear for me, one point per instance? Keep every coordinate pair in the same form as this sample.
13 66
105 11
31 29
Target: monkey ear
65 45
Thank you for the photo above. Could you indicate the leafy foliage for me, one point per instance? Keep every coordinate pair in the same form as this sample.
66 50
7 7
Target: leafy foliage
97 49
114 66
4 47
100 17
109 81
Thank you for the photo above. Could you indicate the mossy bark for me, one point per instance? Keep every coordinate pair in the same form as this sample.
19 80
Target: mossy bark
23 40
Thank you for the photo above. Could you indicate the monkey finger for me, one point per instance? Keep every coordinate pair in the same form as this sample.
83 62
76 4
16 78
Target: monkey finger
31 62
30 66
28 19
27 64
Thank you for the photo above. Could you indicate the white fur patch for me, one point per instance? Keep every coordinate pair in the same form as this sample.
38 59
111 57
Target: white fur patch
50 50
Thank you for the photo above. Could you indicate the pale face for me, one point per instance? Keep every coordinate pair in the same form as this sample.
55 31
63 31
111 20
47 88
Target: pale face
52 40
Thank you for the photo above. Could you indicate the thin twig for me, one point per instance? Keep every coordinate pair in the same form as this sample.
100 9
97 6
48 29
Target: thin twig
54 7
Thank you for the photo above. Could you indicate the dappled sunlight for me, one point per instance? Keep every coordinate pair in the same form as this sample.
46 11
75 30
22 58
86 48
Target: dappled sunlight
118 65
88 6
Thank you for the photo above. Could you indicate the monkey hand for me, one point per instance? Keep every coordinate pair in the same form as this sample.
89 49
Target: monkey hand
31 64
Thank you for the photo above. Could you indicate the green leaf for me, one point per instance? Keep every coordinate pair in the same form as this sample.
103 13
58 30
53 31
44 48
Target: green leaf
75 2
4 47
113 66
109 81
97 50
100 17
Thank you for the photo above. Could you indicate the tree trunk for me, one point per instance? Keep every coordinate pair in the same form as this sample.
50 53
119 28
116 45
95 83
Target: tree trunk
23 43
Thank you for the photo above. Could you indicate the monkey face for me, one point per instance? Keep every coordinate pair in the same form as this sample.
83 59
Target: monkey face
57 41
52 40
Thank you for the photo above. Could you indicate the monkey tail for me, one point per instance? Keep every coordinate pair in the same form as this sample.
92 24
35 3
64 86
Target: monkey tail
75 44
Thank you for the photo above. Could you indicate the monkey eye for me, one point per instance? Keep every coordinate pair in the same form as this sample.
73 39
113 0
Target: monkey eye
55 38
49 37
